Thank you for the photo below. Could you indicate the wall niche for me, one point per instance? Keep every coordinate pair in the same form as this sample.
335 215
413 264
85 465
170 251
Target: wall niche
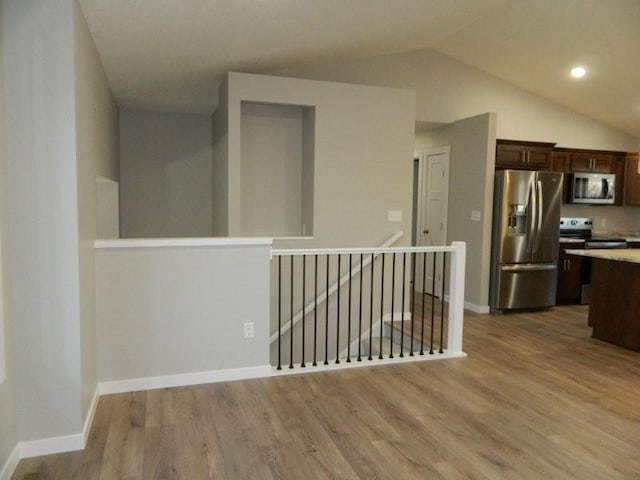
277 144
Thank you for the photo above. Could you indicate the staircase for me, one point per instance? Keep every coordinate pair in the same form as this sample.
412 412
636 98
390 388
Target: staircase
410 337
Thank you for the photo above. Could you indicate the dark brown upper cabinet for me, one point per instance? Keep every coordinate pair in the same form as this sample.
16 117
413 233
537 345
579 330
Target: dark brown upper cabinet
523 155
590 162
632 180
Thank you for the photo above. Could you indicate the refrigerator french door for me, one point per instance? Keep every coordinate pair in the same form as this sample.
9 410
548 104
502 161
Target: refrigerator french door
524 250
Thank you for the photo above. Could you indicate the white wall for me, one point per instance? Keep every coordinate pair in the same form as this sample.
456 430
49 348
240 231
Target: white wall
363 156
97 156
173 310
447 90
44 291
165 172
8 426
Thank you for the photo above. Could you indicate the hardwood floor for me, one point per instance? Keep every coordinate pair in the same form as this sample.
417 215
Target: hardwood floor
535 398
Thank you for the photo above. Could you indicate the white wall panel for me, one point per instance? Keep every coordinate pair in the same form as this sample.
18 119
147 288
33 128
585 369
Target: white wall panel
175 310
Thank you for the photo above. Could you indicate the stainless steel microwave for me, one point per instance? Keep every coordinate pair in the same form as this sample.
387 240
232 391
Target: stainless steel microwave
593 188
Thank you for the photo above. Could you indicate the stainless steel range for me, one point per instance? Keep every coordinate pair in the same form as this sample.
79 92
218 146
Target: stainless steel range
582 228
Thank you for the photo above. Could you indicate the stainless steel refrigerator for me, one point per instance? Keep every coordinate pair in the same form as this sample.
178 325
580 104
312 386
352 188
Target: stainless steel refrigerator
524 247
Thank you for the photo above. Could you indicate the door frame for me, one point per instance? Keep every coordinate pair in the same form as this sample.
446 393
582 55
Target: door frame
422 195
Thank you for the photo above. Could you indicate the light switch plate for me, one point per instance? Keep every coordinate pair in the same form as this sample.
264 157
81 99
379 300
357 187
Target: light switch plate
475 215
394 215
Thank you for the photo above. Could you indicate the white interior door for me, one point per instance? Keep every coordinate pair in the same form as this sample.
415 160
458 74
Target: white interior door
431 225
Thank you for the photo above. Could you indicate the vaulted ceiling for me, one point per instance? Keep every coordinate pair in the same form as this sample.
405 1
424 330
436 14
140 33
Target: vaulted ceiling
171 55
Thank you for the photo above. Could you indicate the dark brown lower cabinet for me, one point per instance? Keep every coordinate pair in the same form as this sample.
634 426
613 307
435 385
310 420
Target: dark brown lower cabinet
615 302
569 289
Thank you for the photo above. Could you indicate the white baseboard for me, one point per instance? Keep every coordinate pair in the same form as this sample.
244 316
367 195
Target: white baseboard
67 443
90 414
183 379
48 446
476 308
10 465
298 370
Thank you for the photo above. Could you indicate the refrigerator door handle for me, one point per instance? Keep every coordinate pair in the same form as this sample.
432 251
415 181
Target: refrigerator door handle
533 216
540 209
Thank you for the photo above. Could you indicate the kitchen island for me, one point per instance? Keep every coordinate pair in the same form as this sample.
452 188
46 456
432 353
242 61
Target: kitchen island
614 312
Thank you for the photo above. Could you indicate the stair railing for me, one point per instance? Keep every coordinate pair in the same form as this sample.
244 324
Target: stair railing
361 299
321 297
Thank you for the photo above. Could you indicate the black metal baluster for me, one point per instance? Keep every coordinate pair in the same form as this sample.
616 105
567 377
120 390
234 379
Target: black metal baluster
349 313
413 296
373 264
360 312
424 299
326 317
393 297
315 312
381 307
444 263
404 278
291 308
279 310
338 314
433 300
304 314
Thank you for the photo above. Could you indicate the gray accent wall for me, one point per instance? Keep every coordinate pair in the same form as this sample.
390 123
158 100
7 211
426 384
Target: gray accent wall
471 172
271 169
220 165
166 175
363 156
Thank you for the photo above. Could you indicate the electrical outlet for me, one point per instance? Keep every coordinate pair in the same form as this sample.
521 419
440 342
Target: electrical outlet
248 330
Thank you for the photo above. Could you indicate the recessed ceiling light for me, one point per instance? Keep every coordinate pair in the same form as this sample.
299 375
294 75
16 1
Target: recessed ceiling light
578 72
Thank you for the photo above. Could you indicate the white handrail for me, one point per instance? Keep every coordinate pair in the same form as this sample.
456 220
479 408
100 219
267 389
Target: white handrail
322 297
375 250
